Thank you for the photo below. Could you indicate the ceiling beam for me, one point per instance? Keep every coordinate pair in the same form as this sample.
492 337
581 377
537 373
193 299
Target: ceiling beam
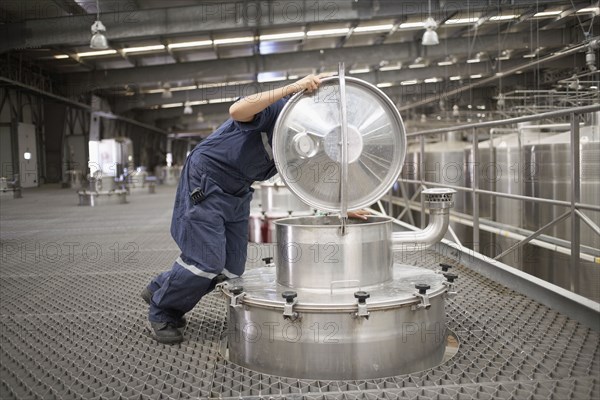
206 93
76 83
125 21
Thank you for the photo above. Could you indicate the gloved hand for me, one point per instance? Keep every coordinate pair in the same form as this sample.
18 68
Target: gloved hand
359 214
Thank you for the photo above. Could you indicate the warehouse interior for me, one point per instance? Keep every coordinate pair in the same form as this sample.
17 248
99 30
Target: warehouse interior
101 101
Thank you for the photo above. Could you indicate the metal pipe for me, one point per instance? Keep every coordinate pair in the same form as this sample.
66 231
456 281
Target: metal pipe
549 243
589 222
439 202
475 194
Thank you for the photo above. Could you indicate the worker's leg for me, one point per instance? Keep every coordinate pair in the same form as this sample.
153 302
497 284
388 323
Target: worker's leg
236 233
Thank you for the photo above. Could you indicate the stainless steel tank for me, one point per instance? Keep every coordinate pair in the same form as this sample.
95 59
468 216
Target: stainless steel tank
333 305
549 176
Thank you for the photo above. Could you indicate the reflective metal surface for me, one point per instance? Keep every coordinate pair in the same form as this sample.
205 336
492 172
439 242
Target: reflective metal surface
307 146
311 252
325 342
276 198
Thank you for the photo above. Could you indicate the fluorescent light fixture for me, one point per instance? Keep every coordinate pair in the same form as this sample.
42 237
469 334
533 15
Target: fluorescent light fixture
237 40
180 88
594 87
417 65
97 53
223 100
282 36
143 48
391 67
455 78
412 25
197 102
153 91
547 13
384 84
374 28
445 62
433 80
198 43
473 60
410 82
481 107
595 10
270 76
530 55
271 79
172 105
327 32
504 57
292 77
503 17
359 70
61 56
457 21
476 76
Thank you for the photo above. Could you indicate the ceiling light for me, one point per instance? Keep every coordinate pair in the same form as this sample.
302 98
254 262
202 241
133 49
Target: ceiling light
97 53
395 67
412 25
384 84
547 13
447 61
503 17
61 56
457 21
590 58
595 10
197 102
166 94
359 70
270 77
327 32
478 58
433 80
419 63
455 110
410 82
198 43
187 109
171 105
143 48
455 78
200 117
373 28
476 76
505 55
237 40
98 40
530 55
293 77
430 37
282 36
501 102
180 88
223 100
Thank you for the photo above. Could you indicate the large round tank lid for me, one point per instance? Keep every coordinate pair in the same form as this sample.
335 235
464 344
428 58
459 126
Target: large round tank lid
307 144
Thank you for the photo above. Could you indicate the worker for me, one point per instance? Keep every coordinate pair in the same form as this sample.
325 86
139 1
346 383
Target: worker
212 206
210 215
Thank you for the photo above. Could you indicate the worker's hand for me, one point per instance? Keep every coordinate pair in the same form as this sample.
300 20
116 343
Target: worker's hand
359 214
309 83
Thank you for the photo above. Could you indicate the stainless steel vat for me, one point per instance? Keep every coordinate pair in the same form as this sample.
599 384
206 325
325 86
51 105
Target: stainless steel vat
276 198
327 339
311 252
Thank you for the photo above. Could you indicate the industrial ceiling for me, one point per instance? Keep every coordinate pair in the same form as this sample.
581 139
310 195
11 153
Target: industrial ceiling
165 55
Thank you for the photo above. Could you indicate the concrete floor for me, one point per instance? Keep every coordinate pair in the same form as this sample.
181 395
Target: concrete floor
71 321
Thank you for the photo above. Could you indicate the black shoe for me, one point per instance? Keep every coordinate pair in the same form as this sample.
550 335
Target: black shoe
146 295
165 332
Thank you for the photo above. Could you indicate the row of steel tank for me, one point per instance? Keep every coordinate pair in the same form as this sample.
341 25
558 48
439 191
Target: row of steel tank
529 160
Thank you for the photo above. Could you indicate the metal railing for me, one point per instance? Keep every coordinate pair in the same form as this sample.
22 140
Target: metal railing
575 206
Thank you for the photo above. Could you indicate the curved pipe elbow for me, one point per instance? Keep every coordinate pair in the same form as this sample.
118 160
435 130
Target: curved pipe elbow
424 238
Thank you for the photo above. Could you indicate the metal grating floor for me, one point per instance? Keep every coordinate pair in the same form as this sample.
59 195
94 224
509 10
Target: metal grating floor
71 321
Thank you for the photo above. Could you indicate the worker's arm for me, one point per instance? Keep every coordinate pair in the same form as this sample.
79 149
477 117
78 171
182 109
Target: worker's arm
247 107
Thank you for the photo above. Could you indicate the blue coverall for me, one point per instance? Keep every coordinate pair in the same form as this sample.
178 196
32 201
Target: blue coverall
212 233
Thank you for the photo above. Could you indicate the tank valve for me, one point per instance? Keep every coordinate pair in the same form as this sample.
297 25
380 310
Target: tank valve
268 260
422 294
288 308
361 298
237 294
450 278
